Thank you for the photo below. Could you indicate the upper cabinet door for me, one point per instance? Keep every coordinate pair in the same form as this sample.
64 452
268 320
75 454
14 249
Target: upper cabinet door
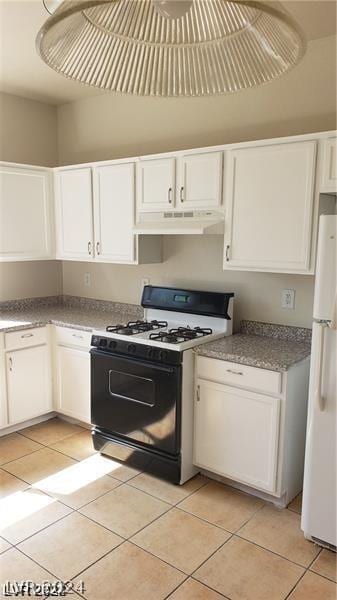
25 214
329 172
74 214
200 180
269 208
156 184
114 207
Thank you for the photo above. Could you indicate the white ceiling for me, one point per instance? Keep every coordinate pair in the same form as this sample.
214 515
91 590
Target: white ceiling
22 72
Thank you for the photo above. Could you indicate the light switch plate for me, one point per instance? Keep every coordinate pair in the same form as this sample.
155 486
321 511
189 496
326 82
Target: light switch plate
288 299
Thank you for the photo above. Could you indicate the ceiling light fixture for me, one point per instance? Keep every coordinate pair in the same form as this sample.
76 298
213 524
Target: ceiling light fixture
170 47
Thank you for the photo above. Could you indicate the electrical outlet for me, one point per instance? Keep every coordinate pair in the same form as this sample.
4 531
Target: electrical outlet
288 299
87 279
145 281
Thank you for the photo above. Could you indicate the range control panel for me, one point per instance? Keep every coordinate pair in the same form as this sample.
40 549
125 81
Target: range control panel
136 350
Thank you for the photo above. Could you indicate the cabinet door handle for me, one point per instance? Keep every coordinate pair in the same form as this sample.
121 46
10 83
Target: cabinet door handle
98 251
77 335
227 252
89 248
169 195
10 363
198 393
27 335
234 372
182 194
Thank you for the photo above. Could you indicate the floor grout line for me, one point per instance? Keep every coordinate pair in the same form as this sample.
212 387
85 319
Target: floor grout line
271 551
176 505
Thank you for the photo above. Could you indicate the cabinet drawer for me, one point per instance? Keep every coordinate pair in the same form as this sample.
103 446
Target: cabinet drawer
25 338
65 336
231 373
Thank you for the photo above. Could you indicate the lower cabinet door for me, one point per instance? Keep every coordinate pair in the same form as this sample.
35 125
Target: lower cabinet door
73 383
236 434
28 383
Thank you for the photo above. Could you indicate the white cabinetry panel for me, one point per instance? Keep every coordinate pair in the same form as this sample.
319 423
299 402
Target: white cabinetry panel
236 434
73 382
25 214
329 173
200 177
269 208
114 213
74 213
156 184
28 383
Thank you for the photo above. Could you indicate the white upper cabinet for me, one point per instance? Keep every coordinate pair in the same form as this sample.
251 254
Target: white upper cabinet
329 172
95 209
269 207
156 184
25 214
74 214
114 205
200 180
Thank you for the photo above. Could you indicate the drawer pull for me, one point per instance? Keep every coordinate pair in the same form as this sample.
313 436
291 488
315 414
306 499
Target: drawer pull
10 362
27 335
77 335
170 195
234 372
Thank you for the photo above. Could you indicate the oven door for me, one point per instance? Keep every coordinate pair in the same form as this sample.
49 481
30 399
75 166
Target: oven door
136 400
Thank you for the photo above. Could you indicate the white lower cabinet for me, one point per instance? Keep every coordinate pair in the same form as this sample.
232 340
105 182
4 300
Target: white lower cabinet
39 376
73 383
28 378
236 434
250 425
72 372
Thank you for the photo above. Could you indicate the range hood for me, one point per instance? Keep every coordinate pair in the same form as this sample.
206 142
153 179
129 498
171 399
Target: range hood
199 222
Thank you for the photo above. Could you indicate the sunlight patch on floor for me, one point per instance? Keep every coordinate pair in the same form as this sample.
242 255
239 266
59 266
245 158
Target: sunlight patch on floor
77 476
19 506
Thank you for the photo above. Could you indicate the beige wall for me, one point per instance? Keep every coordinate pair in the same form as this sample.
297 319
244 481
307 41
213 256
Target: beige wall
28 131
28 134
30 279
196 262
111 126
114 126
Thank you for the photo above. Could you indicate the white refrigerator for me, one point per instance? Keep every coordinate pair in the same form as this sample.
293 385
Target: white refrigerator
319 489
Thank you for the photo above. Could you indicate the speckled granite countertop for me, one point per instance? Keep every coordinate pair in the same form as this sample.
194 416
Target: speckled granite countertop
262 345
67 311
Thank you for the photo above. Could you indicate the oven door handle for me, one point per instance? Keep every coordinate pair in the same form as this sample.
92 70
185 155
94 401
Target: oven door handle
149 364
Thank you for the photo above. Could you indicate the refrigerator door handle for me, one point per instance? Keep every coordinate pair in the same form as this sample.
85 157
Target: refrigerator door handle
320 400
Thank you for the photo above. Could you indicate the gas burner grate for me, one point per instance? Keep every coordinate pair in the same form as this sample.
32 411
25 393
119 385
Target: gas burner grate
134 327
180 334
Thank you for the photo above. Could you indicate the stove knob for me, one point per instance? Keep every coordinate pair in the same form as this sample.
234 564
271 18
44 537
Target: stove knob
150 352
103 342
112 344
132 348
163 355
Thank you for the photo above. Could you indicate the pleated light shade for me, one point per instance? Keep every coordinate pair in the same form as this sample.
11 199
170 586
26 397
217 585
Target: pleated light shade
129 46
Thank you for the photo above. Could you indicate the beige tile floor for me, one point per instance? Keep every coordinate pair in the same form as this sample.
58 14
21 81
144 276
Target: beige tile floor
68 513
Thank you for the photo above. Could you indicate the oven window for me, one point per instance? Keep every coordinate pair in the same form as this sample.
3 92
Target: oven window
132 388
